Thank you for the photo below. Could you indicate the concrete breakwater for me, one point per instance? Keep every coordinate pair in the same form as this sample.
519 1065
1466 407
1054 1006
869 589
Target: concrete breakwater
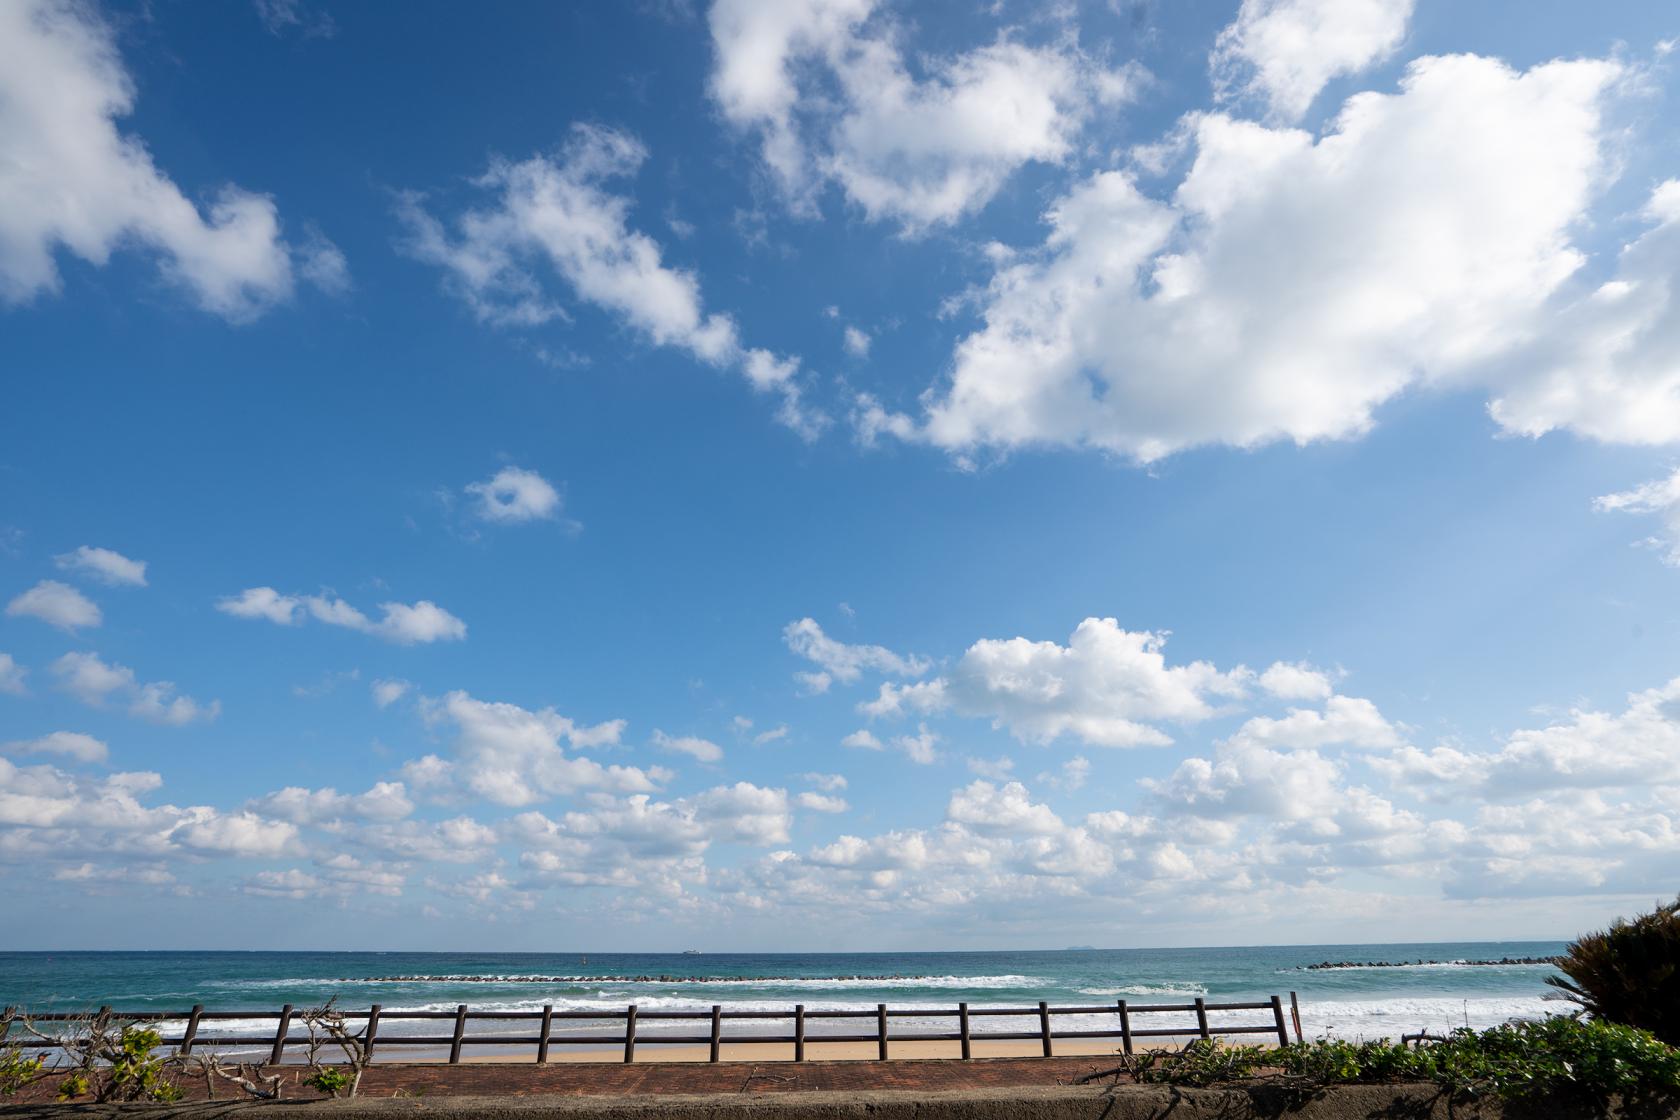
645 979
1425 964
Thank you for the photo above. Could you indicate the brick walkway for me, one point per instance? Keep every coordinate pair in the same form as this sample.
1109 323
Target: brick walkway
586 1079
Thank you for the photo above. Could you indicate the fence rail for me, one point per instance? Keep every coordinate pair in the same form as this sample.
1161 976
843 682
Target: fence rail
283 1037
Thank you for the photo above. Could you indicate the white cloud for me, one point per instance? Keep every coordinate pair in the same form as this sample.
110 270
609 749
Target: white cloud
703 749
1638 748
102 564
862 739
240 835
743 813
387 692
841 661
93 681
263 602
512 756
774 734
832 98
997 769
57 604
385 801
920 748
1075 772
1292 284
71 744
1296 680
71 180
513 495
1346 721
402 623
895 700
11 676
557 211
1106 687
1606 364
988 808
1659 498
857 342
1285 51
828 783
822 803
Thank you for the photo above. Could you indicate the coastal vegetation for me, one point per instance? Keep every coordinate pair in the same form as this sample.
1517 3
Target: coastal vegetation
1556 1058
1629 973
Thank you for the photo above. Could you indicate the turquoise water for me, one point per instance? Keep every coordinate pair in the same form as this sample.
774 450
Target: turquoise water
1358 1002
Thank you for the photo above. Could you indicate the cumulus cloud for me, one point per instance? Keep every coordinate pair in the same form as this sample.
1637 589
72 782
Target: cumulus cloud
112 568
1659 498
57 604
822 802
94 681
388 691
385 801
11 676
513 756
1107 687
512 495
703 749
989 808
1638 747
862 739
401 623
1295 680
71 744
1285 51
844 662
832 98
857 342
1345 721
1293 283
556 211
74 181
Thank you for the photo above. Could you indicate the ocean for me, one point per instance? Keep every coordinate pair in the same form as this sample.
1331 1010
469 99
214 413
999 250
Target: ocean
1359 1002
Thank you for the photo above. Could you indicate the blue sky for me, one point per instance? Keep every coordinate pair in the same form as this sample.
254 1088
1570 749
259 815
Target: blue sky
712 471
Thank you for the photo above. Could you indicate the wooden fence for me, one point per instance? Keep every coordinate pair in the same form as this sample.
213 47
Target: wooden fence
1124 1028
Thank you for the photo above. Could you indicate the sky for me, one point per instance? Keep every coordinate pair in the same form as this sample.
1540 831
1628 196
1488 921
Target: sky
836 474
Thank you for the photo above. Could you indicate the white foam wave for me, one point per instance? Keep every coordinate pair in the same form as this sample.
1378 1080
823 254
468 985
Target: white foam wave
1189 990
1391 1018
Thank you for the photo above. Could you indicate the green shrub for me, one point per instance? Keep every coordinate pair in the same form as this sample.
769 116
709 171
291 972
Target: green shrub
16 1070
1553 1058
135 1074
1629 973
330 1080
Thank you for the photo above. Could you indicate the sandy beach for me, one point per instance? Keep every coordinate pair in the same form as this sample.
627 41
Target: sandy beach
815 1051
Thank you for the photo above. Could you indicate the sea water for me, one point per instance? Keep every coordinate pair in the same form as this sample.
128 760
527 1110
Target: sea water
1359 1002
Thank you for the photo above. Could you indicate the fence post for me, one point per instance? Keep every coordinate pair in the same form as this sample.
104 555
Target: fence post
275 1054
630 1034
372 1029
799 1032
547 1029
1277 1014
717 1030
881 1030
962 1023
1125 1028
460 1033
1201 1017
1295 1013
192 1028
1044 1027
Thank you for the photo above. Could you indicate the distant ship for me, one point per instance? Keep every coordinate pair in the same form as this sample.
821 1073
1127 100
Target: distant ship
691 952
